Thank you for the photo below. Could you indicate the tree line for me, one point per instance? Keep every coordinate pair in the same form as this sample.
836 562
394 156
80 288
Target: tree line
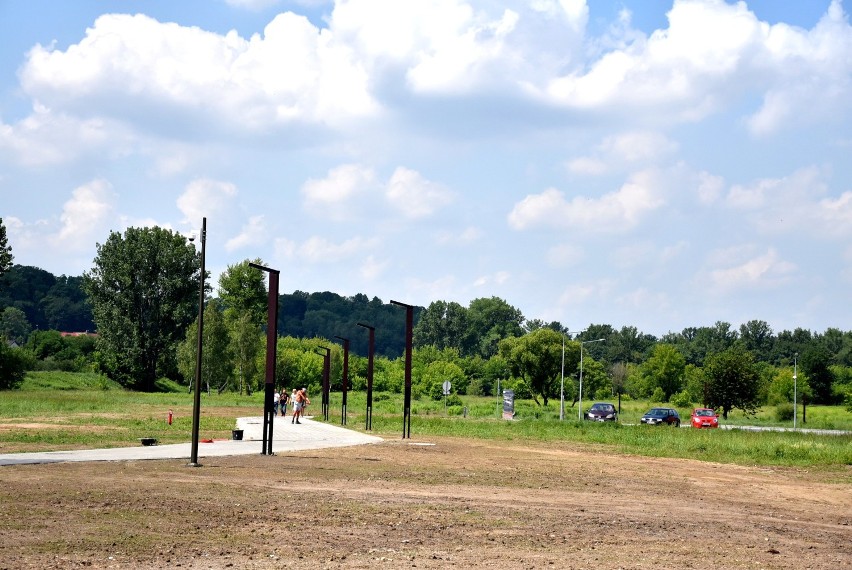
141 296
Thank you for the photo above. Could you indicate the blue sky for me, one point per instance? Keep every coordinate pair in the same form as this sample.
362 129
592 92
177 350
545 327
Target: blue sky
646 163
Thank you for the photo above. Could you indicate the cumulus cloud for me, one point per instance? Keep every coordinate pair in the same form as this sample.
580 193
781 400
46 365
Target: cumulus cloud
687 70
131 64
797 203
614 212
85 216
319 250
414 196
253 233
624 149
206 197
334 196
741 267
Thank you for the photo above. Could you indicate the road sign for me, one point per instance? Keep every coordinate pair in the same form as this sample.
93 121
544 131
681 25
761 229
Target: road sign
447 387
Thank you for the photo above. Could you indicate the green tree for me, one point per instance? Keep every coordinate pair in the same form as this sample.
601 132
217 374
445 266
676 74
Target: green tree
536 358
12 366
14 325
242 290
443 325
664 369
143 289
733 381
758 339
489 322
6 256
247 343
217 363
815 364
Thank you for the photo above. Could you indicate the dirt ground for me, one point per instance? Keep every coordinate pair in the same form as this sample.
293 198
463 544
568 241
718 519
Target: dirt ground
425 504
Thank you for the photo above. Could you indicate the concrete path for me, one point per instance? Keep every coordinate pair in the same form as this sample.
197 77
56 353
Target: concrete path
285 437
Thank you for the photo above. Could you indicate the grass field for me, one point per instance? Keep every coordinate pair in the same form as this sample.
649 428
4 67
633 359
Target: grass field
54 411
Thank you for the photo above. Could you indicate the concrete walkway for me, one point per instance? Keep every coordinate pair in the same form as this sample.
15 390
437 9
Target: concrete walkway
285 437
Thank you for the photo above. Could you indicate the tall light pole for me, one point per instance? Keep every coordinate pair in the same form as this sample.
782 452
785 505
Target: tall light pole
580 409
562 385
196 399
795 373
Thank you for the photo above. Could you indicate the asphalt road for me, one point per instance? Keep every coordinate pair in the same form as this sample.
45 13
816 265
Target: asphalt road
285 437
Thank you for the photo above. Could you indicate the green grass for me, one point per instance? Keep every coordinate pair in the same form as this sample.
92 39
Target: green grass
67 411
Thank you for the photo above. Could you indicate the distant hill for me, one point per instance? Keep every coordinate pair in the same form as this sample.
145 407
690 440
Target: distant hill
59 303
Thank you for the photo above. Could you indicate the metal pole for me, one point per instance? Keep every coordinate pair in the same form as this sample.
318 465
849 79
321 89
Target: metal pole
409 335
345 380
371 349
326 358
196 399
580 409
271 351
795 387
562 385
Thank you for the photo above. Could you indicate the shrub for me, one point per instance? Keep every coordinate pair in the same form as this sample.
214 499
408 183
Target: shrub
681 399
12 366
784 412
658 395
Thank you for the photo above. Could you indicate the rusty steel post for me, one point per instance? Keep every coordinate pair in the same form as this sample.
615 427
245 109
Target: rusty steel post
409 335
271 354
371 349
345 377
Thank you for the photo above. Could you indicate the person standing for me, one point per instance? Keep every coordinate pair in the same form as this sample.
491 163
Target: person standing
282 402
297 407
275 399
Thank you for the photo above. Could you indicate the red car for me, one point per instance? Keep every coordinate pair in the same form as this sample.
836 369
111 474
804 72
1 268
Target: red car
704 418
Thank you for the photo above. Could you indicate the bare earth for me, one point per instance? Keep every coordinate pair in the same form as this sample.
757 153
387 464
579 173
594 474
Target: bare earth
405 504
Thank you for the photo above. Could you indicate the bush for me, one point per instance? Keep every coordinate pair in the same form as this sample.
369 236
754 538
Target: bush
681 399
784 412
658 395
12 366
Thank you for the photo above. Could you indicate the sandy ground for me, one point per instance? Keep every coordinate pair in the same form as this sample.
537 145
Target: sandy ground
425 504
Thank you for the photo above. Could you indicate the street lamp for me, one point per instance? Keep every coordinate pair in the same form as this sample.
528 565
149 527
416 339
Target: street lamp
196 400
562 386
580 409
795 373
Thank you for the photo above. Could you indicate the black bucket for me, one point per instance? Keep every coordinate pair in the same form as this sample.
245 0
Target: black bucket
237 434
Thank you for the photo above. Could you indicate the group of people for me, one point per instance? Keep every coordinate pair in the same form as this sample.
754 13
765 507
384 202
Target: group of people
298 400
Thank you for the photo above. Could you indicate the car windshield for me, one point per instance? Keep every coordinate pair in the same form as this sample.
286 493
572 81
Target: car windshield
602 408
656 412
704 413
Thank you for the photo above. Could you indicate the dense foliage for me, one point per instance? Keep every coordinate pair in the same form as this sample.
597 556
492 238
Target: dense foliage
143 290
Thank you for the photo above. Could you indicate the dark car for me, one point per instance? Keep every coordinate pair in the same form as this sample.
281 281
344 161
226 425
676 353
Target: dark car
602 412
661 416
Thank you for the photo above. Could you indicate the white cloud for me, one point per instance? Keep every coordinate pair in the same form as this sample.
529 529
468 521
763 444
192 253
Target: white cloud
467 235
624 149
140 69
740 269
206 198
414 196
614 212
47 138
334 196
85 216
319 250
492 280
253 233
711 53
372 268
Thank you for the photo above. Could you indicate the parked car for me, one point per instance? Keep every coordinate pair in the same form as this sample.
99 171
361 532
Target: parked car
602 412
704 418
661 416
